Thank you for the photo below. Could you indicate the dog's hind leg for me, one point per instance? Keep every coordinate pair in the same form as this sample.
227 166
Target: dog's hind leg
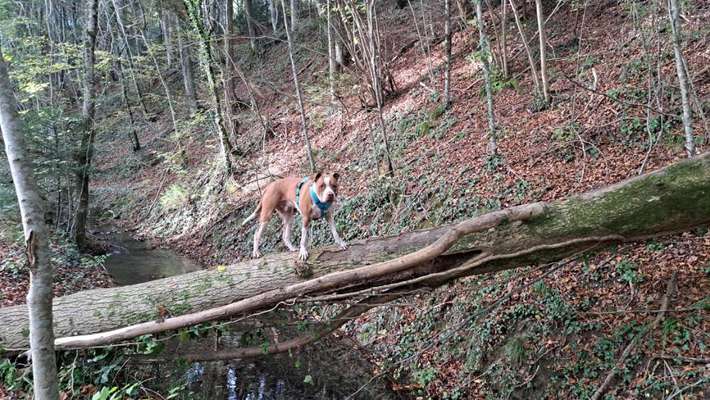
286 230
257 238
252 215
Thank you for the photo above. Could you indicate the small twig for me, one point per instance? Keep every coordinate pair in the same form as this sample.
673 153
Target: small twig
422 84
642 311
690 360
615 100
157 194
683 389
150 391
637 338
670 371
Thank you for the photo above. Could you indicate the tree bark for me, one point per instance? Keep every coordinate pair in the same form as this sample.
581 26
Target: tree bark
39 298
485 60
86 149
447 50
339 56
294 14
166 28
504 39
543 57
673 199
186 66
331 52
673 12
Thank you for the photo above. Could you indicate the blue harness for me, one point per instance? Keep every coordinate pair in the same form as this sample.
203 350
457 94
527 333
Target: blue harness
322 206
316 201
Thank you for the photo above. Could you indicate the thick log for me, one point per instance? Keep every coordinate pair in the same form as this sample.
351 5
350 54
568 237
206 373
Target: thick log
673 199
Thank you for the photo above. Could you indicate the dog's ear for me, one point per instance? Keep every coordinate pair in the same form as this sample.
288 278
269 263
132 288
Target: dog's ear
317 176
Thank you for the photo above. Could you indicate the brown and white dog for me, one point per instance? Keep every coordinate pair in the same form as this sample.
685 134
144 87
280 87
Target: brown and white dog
316 194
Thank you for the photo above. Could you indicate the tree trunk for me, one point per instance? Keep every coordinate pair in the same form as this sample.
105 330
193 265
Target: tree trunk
228 70
669 200
504 39
673 12
166 28
135 142
533 69
118 67
250 24
465 10
485 61
331 52
367 54
339 56
118 9
186 66
447 50
294 14
163 83
274 14
543 57
39 298
299 96
86 149
423 39
376 66
208 62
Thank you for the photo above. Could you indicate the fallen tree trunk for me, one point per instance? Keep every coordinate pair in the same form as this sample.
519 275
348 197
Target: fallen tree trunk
673 199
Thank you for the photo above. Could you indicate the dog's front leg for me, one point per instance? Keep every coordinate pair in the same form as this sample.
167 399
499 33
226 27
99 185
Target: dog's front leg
303 253
334 231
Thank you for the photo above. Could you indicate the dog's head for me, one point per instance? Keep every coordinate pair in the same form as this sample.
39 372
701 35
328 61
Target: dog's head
326 186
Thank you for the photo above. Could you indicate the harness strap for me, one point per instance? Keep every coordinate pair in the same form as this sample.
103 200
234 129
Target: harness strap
316 201
314 198
298 193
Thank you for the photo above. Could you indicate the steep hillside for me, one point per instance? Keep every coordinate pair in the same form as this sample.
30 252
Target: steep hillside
544 332
551 331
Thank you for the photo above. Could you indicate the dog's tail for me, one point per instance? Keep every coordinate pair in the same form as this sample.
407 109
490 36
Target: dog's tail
252 215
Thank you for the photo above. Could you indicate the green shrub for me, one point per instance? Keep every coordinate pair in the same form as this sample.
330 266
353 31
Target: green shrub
174 197
628 272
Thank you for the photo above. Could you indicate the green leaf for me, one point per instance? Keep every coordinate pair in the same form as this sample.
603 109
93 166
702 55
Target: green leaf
105 393
183 335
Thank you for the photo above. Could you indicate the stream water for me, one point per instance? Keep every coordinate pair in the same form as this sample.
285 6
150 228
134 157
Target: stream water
134 261
330 369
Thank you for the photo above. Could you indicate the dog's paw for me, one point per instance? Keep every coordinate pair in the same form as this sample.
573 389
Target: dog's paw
342 245
303 254
255 254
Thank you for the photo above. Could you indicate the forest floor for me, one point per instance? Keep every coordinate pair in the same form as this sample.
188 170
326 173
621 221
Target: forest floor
530 333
